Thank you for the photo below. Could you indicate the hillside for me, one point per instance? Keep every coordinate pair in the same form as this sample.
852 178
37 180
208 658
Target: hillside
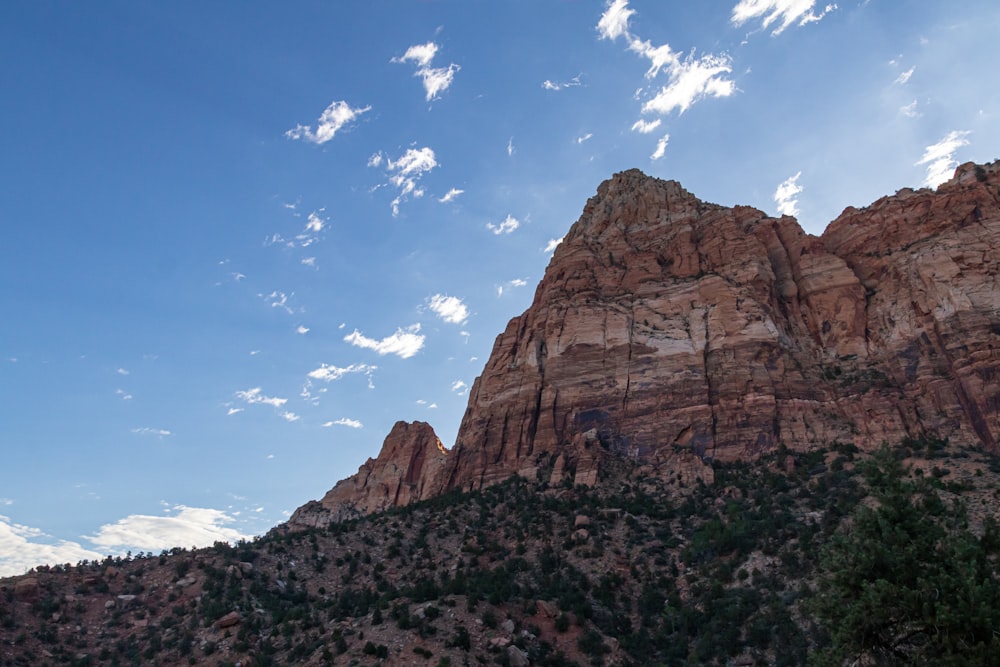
634 571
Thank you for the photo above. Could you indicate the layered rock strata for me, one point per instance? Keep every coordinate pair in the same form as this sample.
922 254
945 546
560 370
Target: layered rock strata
673 332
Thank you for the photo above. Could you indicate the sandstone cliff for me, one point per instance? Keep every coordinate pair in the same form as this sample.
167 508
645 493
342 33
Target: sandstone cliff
673 332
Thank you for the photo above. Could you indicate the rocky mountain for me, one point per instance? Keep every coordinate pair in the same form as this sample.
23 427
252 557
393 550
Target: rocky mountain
675 332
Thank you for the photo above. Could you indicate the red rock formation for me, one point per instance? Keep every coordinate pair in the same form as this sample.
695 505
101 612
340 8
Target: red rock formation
411 459
673 331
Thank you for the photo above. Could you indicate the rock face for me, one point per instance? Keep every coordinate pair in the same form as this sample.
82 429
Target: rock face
673 332
411 459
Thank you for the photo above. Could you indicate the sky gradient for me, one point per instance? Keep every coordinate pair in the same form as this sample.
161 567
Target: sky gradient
241 240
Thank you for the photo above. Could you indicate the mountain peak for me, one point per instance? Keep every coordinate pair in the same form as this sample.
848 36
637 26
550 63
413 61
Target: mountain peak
671 332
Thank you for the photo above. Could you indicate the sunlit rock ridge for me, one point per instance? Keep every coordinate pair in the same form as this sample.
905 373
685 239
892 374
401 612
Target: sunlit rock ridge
674 332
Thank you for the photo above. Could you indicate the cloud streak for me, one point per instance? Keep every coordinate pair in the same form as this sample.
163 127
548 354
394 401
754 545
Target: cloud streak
785 12
940 158
334 118
508 226
404 343
689 79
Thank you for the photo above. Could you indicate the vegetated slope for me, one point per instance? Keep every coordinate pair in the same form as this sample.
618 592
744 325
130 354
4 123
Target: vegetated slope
677 332
637 570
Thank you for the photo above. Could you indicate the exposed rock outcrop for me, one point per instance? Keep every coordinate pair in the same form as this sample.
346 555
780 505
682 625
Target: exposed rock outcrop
407 469
673 332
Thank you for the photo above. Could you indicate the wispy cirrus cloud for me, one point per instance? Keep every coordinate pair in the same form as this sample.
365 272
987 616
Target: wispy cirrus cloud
257 396
552 245
661 147
331 121
190 526
784 12
344 421
904 77
507 226
436 80
562 85
449 308
406 171
146 430
460 387
786 196
404 343
452 195
645 126
940 158
329 373
689 78
279 300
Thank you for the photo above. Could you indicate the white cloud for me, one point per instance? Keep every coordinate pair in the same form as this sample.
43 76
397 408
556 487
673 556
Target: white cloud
562 85
449 308
330 373
786 196
614 20
903 78
692 80
23 547
290 416
315 223
122 371
344 421
406 172
421 54
404 343
518 282
459 387
309 261
302 329
510 147
584 138
645 126
940 158
125 396
190 527
255 396
769 11
451 196
661 147
278 299
233 411
509 224
910 110
436 80
689 80
145 430
660 57
333 118
552 244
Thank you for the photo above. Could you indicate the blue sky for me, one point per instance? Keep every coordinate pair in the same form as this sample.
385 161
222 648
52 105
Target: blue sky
241 240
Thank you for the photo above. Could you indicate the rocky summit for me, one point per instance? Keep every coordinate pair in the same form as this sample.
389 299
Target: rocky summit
675 332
